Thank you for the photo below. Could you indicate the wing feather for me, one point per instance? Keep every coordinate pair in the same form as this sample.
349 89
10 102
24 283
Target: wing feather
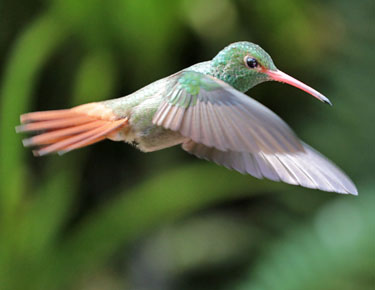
233 130
307 168
217 115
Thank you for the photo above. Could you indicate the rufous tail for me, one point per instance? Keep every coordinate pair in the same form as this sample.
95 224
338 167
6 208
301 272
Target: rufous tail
64 130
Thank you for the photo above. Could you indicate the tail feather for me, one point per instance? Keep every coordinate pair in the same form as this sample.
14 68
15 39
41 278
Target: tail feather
54 124
66 130
47 115
57 135
99 136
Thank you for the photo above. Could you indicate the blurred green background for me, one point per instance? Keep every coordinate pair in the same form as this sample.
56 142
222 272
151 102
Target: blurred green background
110 217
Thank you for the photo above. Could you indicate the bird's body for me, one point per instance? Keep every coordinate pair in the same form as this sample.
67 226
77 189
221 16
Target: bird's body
140 107
204 109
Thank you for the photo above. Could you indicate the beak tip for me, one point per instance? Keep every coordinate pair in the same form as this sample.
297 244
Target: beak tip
277 75
326 101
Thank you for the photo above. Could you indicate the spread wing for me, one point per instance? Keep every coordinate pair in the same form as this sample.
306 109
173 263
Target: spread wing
308 168
210 112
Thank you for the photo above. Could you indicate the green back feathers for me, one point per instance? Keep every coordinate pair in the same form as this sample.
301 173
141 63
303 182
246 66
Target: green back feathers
184 92
192 82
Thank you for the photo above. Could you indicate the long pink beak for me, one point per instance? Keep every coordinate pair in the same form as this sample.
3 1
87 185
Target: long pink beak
279 76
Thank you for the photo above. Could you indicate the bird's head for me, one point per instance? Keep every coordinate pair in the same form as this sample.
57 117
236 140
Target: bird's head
244 65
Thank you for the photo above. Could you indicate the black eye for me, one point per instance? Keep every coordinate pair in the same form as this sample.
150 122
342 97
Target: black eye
251 62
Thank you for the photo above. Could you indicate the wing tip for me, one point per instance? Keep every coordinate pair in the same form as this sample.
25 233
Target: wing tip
346 191
353 191
342 190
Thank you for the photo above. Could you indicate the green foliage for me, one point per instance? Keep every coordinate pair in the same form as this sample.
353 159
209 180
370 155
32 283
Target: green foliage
31 51
109 217
334 251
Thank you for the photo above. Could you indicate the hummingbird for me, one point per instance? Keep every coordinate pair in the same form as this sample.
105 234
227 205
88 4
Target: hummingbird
204 109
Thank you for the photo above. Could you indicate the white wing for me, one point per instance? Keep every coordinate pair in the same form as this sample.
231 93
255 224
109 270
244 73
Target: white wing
213 113
309 168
